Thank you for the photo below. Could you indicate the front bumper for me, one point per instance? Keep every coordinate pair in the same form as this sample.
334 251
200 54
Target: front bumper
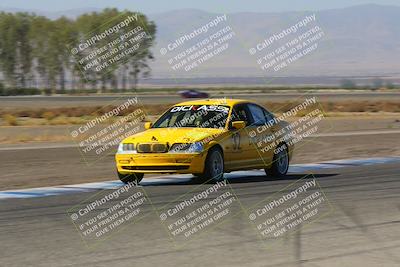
160 163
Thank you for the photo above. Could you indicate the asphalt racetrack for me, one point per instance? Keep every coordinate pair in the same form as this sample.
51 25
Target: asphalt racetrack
362 227
71 101
358 223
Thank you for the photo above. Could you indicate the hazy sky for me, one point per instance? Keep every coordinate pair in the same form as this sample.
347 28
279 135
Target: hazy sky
154 6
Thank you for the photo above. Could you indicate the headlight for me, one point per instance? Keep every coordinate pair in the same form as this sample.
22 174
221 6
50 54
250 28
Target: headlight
196 147
127 148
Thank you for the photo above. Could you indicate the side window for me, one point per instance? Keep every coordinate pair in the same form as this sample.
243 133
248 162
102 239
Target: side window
268 115
240 113
258 114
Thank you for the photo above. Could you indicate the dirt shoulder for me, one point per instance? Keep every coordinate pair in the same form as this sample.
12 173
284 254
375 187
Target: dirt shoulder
337 122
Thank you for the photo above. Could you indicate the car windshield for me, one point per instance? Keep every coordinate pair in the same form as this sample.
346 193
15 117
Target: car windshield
198 116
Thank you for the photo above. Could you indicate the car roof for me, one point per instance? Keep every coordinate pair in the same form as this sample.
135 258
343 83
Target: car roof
213 101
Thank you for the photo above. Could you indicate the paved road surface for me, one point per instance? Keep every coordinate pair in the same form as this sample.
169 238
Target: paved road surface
65 101
362 229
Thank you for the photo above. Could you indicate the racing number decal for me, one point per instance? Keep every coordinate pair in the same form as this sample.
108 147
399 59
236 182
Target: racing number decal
236 141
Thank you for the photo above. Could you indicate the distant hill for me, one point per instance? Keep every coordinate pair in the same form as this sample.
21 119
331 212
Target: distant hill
359 40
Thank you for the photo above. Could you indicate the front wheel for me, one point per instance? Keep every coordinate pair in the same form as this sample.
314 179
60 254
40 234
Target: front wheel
131 178
214 166
280 162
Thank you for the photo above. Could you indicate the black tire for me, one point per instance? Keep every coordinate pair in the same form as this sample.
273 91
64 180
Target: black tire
280 162
214 166
131 178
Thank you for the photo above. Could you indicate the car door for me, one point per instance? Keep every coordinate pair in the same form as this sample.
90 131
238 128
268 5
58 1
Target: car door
261 136
238 152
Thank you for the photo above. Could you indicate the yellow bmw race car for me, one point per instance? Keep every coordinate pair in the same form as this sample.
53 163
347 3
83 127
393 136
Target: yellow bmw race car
207 138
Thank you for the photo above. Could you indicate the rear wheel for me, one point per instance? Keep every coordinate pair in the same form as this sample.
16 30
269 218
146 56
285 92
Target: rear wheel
214 166
280 163
131 178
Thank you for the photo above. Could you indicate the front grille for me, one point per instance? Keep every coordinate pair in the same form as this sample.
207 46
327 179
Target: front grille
159 148
155 168
152 148
144 148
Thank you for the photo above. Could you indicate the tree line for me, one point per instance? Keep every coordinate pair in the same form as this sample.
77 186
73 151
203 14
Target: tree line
35 51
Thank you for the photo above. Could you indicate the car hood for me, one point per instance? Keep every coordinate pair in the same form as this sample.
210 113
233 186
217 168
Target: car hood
174 135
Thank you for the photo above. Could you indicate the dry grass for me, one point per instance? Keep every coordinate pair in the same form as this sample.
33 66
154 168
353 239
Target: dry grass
77 115
10 120
48 115
346 106
26 138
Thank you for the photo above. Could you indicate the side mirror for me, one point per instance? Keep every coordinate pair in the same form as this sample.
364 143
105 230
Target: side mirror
147 125
238 125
